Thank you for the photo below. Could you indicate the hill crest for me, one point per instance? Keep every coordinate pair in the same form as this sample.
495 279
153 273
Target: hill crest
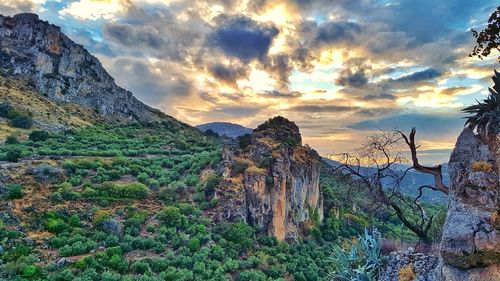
62 70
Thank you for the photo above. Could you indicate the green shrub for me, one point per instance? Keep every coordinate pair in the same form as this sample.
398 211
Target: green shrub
211 183
14 191
74 220
5 107
239 234
132 190
168 194
265 162
56 225
38 135
252 275
140 267
112 251
244 141
142 178
29 271
171 217
11 139
22 121
13 155
194 244
238 167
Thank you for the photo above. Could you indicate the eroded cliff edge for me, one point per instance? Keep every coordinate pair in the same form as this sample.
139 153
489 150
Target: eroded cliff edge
271 181
470 246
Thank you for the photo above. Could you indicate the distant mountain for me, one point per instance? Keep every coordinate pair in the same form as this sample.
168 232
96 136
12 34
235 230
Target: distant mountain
63 71
225 129
412 181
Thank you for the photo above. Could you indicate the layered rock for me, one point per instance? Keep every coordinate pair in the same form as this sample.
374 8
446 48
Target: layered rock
470 246
272 182
62 70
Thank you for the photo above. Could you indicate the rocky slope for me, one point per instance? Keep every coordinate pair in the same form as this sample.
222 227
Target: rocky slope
271 181
470 246
63 71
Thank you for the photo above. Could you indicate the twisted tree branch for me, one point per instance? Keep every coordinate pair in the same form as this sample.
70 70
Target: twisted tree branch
434 171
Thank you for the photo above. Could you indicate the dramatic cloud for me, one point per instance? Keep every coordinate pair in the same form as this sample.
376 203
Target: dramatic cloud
336 32
134 36
242 37
355 74
340 69
419 76
228 73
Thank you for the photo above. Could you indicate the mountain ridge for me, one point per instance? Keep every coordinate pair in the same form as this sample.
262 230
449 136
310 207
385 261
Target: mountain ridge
64 71
228 129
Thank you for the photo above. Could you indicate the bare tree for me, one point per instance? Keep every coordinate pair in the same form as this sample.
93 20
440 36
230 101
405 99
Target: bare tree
376 165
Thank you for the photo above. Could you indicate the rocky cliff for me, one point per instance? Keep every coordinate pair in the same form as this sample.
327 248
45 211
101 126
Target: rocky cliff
470 247
271 181
62 70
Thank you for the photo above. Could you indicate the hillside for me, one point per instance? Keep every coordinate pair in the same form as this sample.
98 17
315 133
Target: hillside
225 129
95 185
40 54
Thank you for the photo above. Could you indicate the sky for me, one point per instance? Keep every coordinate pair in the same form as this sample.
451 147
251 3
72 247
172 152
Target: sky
340 69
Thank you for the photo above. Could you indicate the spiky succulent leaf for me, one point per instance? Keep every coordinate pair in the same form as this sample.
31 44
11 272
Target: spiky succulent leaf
485 115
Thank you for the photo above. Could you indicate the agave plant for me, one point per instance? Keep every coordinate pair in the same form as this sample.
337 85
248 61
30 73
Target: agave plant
485 116
361 262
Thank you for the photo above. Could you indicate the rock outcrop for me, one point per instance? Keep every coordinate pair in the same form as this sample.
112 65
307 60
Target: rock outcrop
470 246
271 181
63 70
420 265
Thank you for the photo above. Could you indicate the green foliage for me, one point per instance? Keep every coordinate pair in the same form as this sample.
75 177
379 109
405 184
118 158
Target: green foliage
210 184
56 225
140 267
194 244
29 271
485 115
265 162
238 234
13 154
360 262
74 220
14 191
238 167
252 275
5 108
126 238
22 121
122 190
488 39
38 135
11 139
244 141
171 217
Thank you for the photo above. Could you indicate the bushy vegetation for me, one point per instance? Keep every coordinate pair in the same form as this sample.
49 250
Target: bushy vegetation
17 118
130 202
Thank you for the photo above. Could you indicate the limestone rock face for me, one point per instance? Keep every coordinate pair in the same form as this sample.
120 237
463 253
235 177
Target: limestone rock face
273 183
470 246
63 70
